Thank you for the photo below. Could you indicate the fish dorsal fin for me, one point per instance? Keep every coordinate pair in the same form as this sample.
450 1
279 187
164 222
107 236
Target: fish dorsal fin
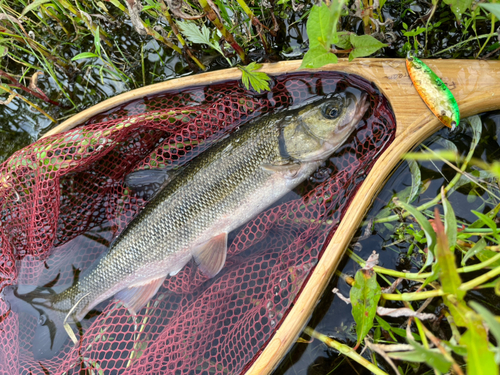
135 297
146 183
210 256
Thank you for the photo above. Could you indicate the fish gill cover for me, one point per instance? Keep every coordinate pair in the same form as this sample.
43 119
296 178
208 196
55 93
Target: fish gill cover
63 199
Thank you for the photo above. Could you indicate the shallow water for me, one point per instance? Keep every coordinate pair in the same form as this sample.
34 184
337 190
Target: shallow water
332 316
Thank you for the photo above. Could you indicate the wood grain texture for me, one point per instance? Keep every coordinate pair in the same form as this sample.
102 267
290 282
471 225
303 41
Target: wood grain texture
475 85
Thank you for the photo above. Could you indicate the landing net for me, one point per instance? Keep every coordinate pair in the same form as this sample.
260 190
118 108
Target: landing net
63 199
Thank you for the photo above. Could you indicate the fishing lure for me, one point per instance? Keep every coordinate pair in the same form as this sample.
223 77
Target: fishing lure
433 92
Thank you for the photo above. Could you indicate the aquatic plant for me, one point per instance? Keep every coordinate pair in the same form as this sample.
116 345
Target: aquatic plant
454 260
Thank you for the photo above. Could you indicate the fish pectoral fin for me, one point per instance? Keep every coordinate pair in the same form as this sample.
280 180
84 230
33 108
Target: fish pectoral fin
289 170
146 183
210 256
136 297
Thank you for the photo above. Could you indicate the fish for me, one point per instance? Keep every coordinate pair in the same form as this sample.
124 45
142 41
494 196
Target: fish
435 94
192 211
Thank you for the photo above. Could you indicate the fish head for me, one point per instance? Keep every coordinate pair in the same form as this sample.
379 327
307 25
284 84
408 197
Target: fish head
318 129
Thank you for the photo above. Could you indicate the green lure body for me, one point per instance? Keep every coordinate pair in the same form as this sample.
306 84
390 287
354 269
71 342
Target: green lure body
435 94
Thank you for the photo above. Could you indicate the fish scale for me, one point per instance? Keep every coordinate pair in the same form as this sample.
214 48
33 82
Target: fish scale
188 205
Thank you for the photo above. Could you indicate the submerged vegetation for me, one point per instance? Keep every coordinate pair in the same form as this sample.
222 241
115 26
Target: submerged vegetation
58 57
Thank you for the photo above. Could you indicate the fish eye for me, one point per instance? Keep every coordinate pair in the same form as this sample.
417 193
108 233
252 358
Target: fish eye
331 111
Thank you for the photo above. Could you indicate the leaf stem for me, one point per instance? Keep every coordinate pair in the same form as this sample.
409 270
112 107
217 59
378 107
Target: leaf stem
480 279
417 296
225 33
258 25
463 42
422 276
492 32
345 350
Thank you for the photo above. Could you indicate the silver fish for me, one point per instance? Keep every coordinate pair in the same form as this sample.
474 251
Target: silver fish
191 215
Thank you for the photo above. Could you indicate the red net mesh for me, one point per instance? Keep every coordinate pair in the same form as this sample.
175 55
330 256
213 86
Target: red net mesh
63 199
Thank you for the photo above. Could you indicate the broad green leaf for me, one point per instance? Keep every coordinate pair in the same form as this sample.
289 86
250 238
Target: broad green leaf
492 323
480 360
448 145
35 4
474 250
344 40
194 33
458 7
457 349
101 5
119 5
223 11
401 332
3 51
319 27
317 57
258 80
492 8
84 55
487 221
365 294
2 90
433 358
448 275
200 35
426 227
416 180
417 31
364 45
450 222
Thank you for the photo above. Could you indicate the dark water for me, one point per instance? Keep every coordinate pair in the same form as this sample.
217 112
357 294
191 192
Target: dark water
333 316
152 62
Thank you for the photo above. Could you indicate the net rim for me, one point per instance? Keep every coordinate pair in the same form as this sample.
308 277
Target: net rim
410 131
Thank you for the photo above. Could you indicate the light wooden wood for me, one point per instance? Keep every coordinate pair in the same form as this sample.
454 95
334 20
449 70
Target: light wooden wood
475 85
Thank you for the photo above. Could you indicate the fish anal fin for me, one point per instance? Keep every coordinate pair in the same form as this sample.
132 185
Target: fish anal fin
136 297
210 256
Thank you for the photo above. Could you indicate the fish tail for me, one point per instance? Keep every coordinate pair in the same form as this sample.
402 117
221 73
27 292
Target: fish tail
42 302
